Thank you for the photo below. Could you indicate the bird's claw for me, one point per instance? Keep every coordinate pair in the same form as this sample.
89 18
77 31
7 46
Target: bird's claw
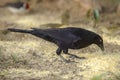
74 56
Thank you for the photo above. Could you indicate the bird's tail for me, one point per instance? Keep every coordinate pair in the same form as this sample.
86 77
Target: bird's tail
19 30
36 32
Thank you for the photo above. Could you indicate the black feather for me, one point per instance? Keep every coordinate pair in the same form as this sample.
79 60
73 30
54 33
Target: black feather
66 38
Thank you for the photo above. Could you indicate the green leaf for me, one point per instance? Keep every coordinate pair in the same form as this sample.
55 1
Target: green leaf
96 15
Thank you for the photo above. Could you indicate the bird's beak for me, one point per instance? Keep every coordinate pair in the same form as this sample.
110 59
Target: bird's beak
101 47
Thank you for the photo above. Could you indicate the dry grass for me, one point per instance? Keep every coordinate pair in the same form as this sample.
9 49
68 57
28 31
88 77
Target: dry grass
25 57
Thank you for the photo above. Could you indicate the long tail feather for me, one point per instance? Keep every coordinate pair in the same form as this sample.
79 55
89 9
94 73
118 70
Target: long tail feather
36 32
19 30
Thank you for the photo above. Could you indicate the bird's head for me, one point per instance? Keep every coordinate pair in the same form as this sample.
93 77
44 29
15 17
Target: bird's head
99 42
26 6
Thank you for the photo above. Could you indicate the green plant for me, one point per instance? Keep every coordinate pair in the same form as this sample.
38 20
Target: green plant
97 77
15 58
3 74
96 16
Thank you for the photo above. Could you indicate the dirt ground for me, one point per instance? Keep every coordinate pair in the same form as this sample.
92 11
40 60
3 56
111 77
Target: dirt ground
25 57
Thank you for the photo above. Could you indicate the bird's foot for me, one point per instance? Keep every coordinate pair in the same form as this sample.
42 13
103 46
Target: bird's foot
75 56
65 60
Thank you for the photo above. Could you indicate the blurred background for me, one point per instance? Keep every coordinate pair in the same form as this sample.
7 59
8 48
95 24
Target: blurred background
25 57
65 11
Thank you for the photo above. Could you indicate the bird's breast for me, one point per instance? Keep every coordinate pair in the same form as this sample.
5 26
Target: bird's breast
81 44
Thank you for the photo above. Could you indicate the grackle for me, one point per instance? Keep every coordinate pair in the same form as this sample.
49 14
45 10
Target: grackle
66 38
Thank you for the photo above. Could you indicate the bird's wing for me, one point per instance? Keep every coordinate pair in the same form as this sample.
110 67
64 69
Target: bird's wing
62 35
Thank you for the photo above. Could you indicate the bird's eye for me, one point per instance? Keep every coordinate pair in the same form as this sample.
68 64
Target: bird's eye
100 40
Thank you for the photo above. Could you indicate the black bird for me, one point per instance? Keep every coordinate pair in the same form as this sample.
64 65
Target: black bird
66 38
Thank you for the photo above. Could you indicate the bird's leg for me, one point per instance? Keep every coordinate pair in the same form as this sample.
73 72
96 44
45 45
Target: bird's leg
66 52
58 52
